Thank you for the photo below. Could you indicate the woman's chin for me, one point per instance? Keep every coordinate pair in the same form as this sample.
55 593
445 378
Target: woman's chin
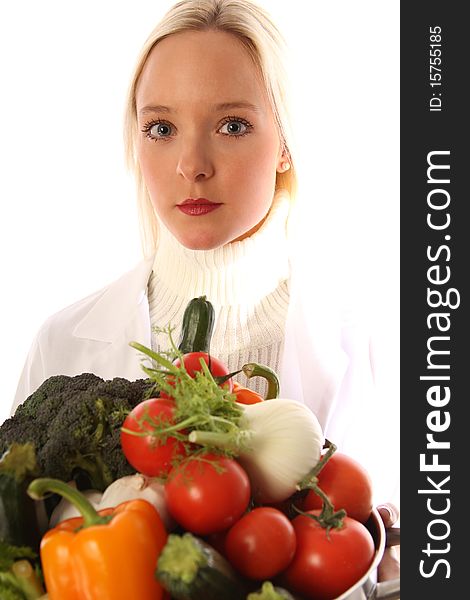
210 238
202 241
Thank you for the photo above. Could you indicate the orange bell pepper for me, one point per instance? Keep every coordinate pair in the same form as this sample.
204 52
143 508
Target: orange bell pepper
107 555
245 395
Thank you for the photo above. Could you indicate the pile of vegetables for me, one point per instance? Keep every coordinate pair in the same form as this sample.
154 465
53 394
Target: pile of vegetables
187 485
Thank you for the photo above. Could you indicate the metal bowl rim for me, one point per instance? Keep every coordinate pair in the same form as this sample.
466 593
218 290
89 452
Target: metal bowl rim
377 523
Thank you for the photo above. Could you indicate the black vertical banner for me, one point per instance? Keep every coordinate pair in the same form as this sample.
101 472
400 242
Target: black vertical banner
435 269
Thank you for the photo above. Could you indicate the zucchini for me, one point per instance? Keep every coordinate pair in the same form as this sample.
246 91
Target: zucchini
198 324
190 569
18 521
269 592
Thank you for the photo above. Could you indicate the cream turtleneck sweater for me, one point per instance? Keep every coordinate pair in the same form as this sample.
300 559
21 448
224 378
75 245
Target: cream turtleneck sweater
246 282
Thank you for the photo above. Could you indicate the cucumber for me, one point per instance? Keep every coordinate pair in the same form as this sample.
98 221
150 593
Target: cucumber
190 569
18 518
198 324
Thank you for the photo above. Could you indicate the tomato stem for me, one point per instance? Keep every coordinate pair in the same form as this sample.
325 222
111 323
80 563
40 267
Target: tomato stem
220 379
329 517
311 479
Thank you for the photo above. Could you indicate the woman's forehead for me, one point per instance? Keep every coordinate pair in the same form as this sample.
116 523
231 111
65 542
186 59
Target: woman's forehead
209 66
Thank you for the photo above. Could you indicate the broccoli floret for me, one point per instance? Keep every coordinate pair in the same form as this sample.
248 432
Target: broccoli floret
74 424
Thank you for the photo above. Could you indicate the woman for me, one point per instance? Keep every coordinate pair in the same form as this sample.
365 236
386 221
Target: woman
207 137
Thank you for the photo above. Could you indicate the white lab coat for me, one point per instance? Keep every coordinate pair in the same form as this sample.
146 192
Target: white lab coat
326 361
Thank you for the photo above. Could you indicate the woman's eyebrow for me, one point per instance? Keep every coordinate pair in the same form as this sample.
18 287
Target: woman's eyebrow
238 104
161 108
154 108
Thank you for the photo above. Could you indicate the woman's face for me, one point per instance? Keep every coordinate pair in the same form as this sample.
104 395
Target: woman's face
208 144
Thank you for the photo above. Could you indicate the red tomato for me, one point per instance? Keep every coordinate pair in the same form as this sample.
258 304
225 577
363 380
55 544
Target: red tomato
208 495
147 454
261 544
192 364
326 564
347 484
245 395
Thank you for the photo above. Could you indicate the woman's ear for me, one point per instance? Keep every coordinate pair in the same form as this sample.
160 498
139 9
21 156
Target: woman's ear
283 163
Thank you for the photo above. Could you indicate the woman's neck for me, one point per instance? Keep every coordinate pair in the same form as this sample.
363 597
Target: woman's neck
239 273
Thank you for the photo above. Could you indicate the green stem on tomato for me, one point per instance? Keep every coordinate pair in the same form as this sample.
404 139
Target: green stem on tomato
329 517
221 379
311 478
256 370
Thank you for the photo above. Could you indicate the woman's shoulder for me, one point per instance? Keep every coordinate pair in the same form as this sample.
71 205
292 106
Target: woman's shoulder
83 336
123 291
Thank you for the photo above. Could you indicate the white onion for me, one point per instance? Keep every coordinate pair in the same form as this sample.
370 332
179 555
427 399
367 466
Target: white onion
279 442
285 444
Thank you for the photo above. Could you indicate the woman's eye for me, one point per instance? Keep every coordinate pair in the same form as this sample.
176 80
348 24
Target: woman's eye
234 128
158 130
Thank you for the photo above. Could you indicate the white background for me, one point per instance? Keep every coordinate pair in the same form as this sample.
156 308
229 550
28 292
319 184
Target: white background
68 218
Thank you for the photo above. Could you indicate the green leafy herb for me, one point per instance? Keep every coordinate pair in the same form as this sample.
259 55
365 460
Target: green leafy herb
200 403
9 554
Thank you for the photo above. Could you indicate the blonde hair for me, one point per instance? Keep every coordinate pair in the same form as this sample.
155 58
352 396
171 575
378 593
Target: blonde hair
263 41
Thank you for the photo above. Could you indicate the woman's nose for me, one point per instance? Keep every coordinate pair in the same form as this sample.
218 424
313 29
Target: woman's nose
194 162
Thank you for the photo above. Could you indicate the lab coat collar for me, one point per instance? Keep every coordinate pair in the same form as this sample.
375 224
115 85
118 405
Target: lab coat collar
111 314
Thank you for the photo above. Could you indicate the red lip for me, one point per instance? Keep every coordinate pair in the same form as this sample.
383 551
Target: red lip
197 206
196 201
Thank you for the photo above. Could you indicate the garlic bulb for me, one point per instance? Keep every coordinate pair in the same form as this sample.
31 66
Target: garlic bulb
280 441
135 486
125 488
66 510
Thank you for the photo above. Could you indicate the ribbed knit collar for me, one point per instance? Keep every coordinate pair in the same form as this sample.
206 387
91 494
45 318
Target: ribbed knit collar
238 273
